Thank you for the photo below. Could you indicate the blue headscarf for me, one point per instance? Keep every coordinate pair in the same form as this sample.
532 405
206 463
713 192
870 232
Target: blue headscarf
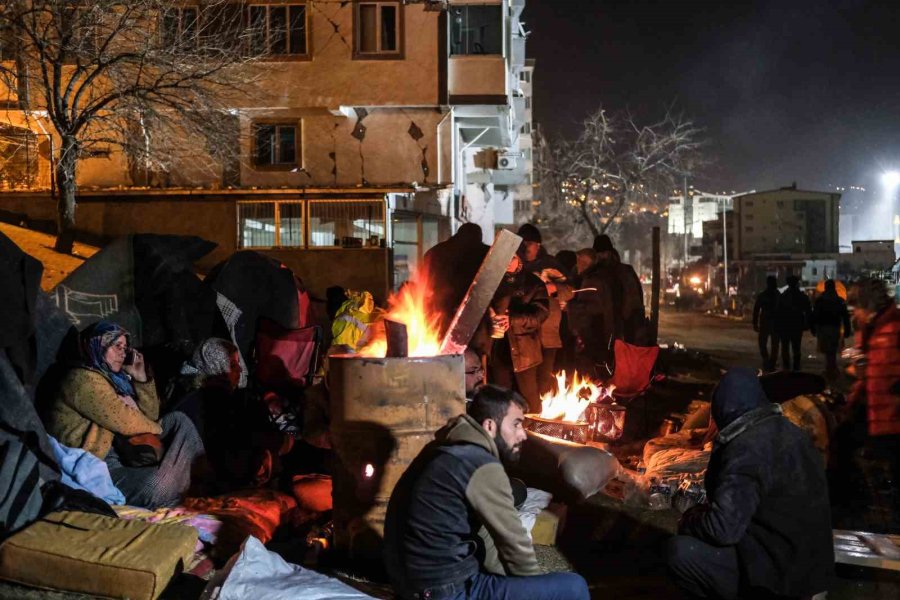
95 340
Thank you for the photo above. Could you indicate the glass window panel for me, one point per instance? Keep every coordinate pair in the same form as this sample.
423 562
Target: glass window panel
258 29
298 29
430 234
291 221
349 224
476 30
278 29
265 136
388 28
256 224
368 28
189 25
169 28
287 145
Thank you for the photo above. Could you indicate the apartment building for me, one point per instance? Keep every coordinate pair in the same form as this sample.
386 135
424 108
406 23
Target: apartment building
370 134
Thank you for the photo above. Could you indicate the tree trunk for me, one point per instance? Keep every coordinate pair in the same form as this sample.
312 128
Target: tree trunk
65 196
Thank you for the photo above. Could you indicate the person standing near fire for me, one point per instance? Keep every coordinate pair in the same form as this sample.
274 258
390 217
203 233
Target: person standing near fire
519 309
559 291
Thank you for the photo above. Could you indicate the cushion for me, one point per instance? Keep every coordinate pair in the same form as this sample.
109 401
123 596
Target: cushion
549 524
97 555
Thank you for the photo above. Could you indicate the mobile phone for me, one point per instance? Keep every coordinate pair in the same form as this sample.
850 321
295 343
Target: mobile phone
129 357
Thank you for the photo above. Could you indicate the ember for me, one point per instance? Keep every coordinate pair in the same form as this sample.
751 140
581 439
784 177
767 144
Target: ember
571 401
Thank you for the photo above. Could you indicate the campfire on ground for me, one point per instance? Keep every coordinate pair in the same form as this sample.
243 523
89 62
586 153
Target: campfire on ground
579 410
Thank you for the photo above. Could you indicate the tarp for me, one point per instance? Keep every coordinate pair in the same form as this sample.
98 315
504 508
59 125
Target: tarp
20 280
146 284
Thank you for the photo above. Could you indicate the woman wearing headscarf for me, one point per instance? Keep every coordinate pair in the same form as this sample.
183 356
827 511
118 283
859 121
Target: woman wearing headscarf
106 404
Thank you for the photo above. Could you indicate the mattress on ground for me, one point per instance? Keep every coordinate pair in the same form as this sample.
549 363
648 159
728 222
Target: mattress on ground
97 555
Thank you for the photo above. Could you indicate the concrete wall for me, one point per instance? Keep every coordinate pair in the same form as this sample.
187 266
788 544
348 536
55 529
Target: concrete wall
773 222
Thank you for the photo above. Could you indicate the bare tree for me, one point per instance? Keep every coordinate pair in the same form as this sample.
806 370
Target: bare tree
145 76
614 168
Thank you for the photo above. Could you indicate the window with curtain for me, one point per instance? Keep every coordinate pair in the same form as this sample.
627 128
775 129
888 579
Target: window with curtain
256 225
377 29
278 29
275 144
477 29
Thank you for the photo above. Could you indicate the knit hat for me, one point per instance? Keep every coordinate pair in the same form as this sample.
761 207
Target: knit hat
530 233
602 243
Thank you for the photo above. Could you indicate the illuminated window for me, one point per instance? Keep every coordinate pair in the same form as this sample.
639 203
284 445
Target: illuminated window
377 28
270 224
477 29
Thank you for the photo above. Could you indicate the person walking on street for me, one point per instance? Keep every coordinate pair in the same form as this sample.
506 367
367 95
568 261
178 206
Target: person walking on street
830 320
793 316
764 323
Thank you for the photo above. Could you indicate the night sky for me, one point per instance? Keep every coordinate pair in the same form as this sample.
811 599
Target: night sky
787 90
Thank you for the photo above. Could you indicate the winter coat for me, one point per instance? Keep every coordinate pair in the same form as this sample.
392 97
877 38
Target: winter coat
830 310
793 313
594 316
880 342
632 293
85 412
768 493
451 514
451 266
764 309
524 298
550 329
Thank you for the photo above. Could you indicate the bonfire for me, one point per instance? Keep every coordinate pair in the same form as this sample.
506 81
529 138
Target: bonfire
409 306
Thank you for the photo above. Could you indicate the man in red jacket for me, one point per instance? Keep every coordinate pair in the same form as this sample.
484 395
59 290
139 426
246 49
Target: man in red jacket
878 374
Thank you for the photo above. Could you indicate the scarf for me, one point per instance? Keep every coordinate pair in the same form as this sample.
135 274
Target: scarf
95 340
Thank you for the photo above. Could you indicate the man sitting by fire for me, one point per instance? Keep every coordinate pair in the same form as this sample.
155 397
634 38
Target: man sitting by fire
452 531
766 531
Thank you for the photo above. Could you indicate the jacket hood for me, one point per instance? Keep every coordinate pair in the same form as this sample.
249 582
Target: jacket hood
465 430
738 393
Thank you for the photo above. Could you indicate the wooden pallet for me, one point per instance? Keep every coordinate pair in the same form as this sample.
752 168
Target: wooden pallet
873 550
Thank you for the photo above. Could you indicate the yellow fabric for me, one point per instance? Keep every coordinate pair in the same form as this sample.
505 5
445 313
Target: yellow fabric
548 525
353 319
97 555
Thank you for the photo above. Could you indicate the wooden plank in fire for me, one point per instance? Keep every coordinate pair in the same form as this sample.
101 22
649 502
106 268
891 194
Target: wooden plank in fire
477 300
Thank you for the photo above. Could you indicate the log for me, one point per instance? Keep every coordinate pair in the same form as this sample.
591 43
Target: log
477 300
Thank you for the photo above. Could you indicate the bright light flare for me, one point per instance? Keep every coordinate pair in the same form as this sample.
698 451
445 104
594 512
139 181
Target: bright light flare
369 471
891 179
695 280
570 401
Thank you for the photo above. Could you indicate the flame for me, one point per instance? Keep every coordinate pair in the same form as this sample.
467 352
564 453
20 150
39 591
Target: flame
410 307
570 401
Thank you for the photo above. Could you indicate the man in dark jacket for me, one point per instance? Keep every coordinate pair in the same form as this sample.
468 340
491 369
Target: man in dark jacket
767 528
764 322
451 530
830 320
594 316
536 260
451 266
793 316
630 290
520 305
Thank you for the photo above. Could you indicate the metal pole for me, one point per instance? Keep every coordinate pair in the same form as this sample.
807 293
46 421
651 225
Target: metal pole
654 289
725 244
687 222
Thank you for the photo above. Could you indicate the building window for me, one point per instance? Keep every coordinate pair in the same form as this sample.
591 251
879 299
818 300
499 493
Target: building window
476 29
346 223
526 128
278 29
181 26
749 217
525 76
275 145
270 224
815 271
748 229
527 101
748 202
378 30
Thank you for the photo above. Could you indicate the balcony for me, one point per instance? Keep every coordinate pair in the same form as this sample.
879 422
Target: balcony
477 79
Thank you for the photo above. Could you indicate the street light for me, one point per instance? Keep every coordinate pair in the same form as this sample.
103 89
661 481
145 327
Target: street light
891 179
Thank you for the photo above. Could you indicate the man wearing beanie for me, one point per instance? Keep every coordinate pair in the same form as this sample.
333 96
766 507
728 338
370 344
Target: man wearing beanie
630 292
538 261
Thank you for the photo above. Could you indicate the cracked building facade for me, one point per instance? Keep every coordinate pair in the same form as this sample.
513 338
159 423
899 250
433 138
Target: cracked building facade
373 130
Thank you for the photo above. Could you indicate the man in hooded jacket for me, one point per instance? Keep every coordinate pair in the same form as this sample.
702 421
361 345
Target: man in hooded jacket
452 531
766 530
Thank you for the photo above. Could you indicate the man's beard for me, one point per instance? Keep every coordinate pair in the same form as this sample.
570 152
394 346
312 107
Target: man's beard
509 455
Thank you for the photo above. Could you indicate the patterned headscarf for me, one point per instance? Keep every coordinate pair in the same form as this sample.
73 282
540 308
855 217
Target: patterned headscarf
95 340
211 358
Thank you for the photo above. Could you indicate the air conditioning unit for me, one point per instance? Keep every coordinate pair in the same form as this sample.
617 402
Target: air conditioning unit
506 160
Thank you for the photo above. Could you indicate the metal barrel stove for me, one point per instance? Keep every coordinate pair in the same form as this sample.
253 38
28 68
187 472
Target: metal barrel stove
383 412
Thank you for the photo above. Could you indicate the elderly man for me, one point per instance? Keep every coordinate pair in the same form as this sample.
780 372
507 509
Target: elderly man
452 531
766 532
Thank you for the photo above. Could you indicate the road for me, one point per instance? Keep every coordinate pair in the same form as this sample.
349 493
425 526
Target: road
730 342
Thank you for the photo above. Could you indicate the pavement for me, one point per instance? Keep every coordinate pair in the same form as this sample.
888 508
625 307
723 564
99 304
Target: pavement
731 342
